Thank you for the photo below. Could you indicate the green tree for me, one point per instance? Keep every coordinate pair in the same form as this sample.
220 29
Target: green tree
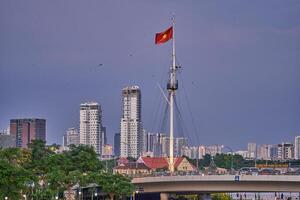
113 184
13 179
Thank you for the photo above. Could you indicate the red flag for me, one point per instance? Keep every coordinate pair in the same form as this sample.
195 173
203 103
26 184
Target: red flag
165 36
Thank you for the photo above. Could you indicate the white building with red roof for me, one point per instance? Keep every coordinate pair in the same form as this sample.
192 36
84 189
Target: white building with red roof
157 163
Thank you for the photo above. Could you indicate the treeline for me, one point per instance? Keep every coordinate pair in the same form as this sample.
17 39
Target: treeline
41 174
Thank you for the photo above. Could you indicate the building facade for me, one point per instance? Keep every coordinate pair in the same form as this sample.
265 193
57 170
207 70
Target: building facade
117 144
263 152
131 123
179 143
107 152
91 125
71 137
252 150
25 130
297 147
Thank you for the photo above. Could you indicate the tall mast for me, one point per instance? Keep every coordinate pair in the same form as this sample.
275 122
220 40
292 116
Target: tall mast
172 87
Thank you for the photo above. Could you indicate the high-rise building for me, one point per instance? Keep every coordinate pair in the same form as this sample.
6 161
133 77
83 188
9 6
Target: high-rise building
179 143
213 149
157 145
165 146
104 136
145 141
71 137
131 123
26 130
117 144
262 152
285 151
273 152
91 125
252 151
297 147
191 152
288 151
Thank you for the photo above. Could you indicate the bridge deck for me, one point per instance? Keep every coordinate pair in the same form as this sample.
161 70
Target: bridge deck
219 183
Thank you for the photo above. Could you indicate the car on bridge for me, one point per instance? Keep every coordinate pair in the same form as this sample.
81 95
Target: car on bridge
249 171
268 171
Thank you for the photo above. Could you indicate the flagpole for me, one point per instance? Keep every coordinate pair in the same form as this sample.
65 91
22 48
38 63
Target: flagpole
172 88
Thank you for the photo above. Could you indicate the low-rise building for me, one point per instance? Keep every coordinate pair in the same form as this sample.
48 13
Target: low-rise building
132 169
162 163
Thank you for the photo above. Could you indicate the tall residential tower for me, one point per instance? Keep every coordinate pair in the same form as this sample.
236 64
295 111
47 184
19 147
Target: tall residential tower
131 123
91 125
26 130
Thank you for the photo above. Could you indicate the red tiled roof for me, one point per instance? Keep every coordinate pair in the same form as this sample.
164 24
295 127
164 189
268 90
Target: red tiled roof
155 162
123 160
160 162
132 165
178 161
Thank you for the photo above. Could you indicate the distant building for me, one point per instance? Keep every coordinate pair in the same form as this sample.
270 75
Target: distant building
117 144
244 154
7 141
25 130
213 149
179 143
157 144
104 136
4 131
71 137
132 169
151 142
165 146
91 125
273 152
145 141
252 151
190 151
201 151
285 151
186 151
131 122
262 152
297 147
107 151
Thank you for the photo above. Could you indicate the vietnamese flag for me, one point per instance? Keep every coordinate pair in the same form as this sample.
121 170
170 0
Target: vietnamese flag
165 36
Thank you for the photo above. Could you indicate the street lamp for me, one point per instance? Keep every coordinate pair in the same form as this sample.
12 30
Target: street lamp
79 194
231 152
5 198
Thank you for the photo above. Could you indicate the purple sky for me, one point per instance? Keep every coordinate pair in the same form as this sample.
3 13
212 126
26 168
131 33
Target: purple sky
240 59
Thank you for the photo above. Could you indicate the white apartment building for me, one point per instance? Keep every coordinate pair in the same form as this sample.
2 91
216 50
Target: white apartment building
131 123
71 137
91 125
252 150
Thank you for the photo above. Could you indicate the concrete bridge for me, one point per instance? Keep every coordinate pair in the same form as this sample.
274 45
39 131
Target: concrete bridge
217 183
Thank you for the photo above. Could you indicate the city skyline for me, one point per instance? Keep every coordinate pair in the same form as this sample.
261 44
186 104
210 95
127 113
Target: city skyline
240 65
